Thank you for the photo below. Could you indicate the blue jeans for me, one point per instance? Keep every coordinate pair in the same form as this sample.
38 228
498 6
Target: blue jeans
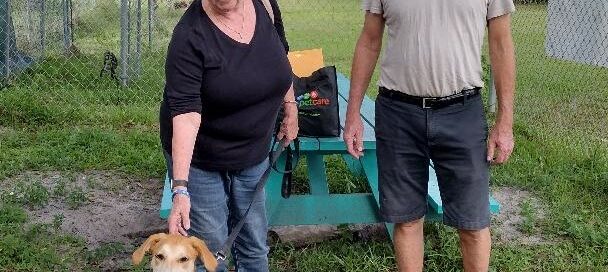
218 201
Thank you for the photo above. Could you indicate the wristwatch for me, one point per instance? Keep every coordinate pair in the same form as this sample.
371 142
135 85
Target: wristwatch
178 182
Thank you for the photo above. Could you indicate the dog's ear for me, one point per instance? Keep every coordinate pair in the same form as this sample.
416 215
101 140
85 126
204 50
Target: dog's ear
204 253
138 255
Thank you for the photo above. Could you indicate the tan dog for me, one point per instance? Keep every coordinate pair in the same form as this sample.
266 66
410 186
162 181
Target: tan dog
175 253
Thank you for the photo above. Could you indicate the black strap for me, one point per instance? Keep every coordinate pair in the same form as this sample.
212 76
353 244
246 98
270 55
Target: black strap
274 157
287 175
291 153
291 161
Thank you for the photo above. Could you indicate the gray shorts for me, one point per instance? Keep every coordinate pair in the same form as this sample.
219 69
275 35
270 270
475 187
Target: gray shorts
454 138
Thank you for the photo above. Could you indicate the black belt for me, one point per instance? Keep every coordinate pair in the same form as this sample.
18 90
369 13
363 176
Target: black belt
431 102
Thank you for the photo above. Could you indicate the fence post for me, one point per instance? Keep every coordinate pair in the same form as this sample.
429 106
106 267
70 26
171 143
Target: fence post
42 28
150 22
67 26
138 39
492 95
7 40
124 37
30 24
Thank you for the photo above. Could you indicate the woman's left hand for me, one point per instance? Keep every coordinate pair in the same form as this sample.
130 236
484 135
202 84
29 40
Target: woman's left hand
289 126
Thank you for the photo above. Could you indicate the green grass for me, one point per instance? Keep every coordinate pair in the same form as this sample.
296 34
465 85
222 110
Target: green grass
37 247
77 198
528 214
60 116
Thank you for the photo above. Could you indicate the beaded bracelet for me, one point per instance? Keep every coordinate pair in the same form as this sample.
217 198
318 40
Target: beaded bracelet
180 192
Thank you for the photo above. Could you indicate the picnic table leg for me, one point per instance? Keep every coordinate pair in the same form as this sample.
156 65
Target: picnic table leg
353 165
166 201
370 167
317 177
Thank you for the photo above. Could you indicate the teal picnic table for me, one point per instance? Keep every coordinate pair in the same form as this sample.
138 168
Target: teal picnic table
321 206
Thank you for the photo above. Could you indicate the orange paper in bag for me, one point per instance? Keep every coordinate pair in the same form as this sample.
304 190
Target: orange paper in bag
305 62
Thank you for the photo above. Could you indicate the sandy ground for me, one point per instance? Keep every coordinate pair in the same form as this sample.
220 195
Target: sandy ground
125 210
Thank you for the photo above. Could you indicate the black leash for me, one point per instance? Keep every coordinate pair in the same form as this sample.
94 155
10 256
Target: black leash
274 157
290 154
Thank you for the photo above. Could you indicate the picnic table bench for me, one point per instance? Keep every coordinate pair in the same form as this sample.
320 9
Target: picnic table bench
320 206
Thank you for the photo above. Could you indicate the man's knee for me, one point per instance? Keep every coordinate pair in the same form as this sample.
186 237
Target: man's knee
474 235
407 227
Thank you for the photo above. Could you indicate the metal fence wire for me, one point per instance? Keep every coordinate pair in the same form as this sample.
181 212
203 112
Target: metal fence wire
58 56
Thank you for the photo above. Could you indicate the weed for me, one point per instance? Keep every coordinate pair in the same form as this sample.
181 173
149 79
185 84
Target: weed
529 217
35 194
60 190
76 198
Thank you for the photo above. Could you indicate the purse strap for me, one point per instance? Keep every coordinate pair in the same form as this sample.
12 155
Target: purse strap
268 7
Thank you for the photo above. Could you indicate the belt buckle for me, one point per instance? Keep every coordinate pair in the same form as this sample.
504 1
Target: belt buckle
424 99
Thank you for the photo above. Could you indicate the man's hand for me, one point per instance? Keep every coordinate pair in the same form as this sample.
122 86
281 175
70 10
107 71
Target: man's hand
501 140
289 126
353 135
179 218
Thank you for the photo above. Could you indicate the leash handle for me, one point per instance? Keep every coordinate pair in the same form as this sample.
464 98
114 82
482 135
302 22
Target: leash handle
274 157
291 154
287 181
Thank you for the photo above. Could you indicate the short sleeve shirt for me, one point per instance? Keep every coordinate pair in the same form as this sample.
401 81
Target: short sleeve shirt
434 46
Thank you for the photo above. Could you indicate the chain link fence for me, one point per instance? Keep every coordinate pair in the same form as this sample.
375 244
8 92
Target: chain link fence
54 53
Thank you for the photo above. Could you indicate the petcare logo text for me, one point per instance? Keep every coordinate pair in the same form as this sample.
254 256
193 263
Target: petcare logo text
312 99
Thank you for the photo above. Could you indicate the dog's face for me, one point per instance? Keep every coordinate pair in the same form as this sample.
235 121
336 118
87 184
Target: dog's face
175 253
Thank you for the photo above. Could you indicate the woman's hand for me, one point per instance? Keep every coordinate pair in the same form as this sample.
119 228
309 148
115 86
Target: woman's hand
289 125
179 218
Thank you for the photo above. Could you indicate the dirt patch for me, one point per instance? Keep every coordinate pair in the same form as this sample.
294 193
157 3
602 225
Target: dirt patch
123 210
109 207
101 207
520 215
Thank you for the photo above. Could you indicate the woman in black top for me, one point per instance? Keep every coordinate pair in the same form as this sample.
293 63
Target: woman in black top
227 77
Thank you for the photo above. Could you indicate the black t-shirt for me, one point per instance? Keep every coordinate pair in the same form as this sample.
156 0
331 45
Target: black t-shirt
237 88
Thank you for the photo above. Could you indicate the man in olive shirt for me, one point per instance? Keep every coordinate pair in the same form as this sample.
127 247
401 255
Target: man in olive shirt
429 108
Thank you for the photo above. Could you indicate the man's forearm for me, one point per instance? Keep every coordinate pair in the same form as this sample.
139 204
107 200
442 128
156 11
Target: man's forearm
502 57
185 129
364 62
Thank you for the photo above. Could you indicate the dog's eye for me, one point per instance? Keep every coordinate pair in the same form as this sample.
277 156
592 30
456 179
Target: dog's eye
183 259
160 256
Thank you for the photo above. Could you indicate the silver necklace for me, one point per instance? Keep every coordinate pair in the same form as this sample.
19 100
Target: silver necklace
240 33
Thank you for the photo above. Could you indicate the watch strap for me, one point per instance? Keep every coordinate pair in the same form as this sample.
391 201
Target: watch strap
178 182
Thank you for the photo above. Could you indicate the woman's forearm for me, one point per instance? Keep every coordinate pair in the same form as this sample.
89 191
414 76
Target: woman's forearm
290 95
185 129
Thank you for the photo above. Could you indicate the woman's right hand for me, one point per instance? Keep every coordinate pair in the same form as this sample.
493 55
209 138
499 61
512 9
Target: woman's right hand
179 218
